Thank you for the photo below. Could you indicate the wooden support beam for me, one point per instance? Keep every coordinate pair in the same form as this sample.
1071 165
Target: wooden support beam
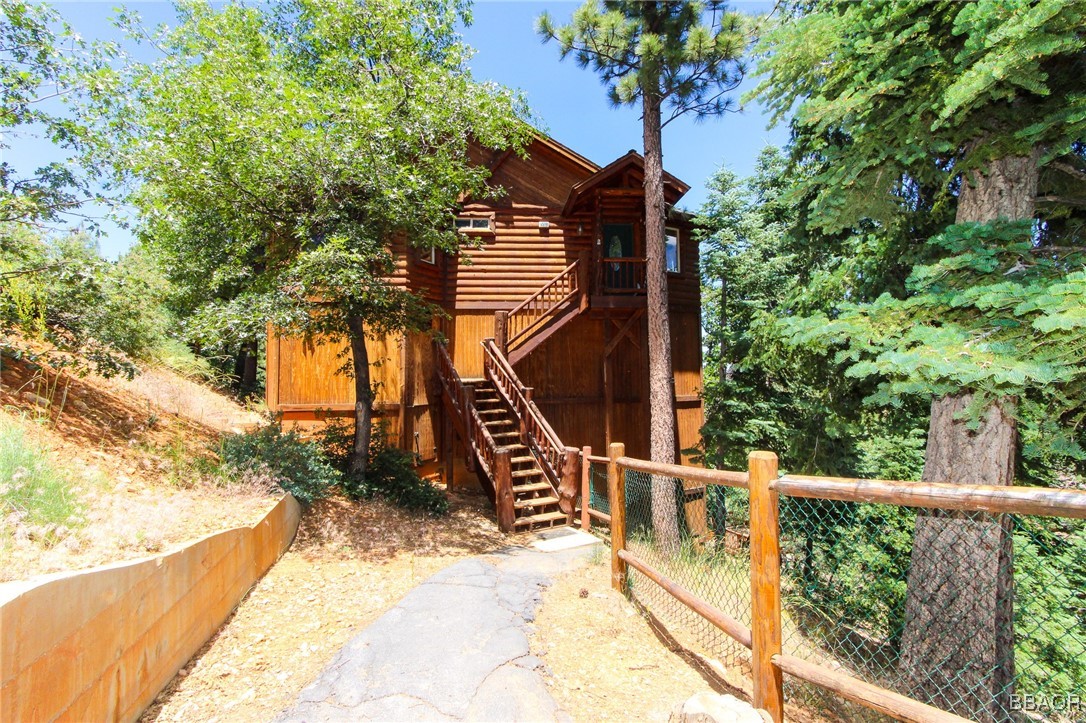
616 494
569 474
765 584
624 331
503 490
501 331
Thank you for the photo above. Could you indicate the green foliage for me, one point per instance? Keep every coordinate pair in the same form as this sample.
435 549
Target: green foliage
390 473
34 492
688 54
885 89
280 156
988 316
293 464
896 106
60 290
1050 614
891 455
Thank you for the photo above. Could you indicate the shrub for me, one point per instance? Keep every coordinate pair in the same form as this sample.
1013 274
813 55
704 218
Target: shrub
34 494
295 465
60 290
390 474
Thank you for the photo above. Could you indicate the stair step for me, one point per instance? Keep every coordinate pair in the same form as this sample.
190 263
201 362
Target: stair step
531 487
528 473
505 434
538 519
520 460
498 423
535 502
490 412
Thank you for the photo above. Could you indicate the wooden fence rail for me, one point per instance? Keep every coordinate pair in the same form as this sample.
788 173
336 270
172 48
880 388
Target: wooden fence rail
768 662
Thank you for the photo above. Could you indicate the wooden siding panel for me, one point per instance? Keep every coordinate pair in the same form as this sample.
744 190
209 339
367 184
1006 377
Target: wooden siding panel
686 354
470 328
309 371
567 365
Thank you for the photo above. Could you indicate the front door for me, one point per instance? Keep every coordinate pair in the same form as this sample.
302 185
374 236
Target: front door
619 271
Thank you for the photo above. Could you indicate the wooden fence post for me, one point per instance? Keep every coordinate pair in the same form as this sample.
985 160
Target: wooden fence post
501 331
503 489
765 584
616 493
567 484
586 488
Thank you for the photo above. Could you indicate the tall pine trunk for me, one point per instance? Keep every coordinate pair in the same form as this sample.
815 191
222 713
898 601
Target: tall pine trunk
665 520
958 641
363 394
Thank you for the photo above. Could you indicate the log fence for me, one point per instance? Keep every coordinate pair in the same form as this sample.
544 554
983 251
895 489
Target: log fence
780 659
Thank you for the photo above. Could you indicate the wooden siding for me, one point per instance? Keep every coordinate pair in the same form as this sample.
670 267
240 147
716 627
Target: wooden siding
517 259
544 178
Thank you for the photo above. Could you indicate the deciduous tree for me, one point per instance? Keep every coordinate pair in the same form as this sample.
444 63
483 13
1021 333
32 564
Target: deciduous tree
312 133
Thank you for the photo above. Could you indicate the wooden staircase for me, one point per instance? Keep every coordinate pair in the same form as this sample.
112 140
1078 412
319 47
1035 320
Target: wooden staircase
530 475
520 331
535 501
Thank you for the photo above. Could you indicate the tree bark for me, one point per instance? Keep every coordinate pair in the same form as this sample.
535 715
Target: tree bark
662 446
363 393
958 641
248 376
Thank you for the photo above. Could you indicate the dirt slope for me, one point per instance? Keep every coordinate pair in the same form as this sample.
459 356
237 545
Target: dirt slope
131 452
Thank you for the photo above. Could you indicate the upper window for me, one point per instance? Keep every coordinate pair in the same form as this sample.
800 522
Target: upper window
671 249
466 224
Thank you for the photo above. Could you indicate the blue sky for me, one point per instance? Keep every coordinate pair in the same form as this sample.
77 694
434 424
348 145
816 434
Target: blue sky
570 102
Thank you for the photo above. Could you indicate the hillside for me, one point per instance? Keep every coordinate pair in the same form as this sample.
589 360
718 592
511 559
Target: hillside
117 467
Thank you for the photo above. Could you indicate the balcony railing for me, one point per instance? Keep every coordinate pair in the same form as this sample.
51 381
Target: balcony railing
622 275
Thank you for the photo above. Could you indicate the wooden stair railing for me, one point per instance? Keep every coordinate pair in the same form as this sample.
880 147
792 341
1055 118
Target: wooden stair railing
495 459
513 329
560 464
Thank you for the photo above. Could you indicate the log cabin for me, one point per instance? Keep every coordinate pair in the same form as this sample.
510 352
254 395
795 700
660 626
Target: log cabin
544 348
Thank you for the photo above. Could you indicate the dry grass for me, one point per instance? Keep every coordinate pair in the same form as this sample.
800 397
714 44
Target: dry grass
130 461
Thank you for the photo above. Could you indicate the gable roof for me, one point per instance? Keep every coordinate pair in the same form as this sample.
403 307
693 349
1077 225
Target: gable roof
566 152
674 189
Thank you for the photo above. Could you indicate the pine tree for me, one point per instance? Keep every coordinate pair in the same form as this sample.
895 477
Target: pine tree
974 99
671 58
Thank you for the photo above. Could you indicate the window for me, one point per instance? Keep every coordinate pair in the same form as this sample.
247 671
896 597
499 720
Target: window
428 255
671 249
473 225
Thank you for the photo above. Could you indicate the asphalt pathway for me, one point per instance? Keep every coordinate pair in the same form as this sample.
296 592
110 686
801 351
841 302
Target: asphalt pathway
455 648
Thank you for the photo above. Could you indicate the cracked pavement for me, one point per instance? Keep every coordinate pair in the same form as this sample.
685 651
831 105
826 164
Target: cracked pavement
455 648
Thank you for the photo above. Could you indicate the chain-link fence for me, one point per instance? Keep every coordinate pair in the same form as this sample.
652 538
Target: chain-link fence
981 615
705 551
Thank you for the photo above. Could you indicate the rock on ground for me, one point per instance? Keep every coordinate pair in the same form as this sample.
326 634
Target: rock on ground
713 708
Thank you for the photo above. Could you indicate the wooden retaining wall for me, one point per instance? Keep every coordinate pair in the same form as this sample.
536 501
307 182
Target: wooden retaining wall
100 644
